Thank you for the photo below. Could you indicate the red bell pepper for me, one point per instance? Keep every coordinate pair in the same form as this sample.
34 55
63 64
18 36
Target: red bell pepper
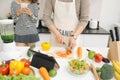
4 69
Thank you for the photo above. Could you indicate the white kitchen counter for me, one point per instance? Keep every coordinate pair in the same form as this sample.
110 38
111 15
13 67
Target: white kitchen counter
63 73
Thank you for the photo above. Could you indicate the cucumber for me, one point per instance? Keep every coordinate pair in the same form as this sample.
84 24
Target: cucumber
29 54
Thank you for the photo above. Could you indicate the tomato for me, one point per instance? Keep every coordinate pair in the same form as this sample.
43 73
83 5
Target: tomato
98 57
26 70
4 69
23 60
26 62
14 71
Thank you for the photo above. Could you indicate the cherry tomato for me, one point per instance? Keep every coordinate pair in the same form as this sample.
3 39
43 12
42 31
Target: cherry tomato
27 62
23 59
26 70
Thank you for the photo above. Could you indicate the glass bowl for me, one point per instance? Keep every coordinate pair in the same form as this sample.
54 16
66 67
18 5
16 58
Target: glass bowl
78 67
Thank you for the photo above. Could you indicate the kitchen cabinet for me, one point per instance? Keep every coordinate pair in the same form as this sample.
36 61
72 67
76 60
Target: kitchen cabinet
89 38
95 37
93 40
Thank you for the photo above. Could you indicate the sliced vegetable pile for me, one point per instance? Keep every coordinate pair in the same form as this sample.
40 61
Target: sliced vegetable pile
78 67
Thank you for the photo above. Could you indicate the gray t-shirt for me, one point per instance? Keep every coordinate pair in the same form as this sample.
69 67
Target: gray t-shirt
25 24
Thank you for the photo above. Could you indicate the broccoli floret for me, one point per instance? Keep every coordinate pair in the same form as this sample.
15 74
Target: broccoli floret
107 72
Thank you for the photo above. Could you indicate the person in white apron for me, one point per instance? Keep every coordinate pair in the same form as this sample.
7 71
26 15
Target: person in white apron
65 20
65 24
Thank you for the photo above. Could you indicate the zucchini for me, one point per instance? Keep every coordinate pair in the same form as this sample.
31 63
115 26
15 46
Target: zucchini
29 54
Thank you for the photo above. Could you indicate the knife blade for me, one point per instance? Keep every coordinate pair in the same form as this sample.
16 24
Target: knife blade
116 33
112 36
66 46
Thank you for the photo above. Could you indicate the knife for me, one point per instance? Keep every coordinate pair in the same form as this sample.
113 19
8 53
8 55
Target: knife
112 36
66 46
116 33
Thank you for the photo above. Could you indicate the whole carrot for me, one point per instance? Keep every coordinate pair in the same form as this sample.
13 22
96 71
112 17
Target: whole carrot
79 52
44 73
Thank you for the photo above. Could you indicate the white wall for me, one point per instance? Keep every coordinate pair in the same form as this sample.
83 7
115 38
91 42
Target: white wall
4 8
110 13
95 9
106 11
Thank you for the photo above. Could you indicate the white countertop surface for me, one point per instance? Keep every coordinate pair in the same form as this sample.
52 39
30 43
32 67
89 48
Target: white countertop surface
63 73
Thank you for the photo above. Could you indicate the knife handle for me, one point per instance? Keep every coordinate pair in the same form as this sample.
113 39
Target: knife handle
116 33
111 34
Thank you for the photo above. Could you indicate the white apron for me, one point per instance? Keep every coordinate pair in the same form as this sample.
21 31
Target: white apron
65 20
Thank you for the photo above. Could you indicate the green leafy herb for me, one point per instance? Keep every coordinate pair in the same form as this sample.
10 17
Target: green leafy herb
19 77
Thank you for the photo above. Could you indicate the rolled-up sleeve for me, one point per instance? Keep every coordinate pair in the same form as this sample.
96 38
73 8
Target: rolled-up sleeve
48 9
84 13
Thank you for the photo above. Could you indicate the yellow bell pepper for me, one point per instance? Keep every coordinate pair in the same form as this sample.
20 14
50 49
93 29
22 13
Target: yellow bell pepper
16 64
45 46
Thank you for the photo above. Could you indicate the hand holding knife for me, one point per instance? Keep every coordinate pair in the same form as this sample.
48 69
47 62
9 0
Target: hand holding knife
66 46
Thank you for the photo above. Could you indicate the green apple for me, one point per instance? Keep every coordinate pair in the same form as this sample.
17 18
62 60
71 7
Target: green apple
52 72
91 54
